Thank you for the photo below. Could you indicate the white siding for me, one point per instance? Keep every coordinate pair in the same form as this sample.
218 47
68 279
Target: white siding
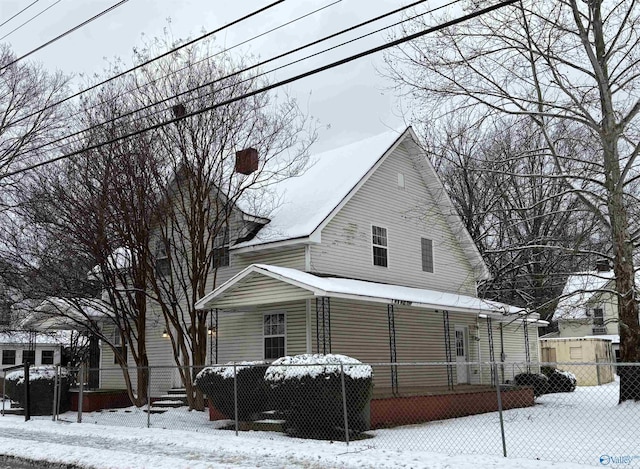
240 332
409 214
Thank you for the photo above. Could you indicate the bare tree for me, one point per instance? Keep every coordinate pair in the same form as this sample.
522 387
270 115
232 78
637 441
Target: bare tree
26 90
204 196
553 62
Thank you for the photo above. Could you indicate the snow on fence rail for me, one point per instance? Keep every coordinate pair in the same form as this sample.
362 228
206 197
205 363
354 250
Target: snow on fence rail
564 412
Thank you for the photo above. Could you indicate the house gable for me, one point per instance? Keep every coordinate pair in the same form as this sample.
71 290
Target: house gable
403 195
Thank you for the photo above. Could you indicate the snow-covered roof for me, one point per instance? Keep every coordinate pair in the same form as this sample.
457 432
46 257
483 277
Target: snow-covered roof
614 338
23 337
579 289
307 200
56 313
119 259
368 291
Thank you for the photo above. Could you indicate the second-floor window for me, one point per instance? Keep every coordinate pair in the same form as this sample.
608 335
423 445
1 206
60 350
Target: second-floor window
47 357
221 248
379 244
163 263
598 317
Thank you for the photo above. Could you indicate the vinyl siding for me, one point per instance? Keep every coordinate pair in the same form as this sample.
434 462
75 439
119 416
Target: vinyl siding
240 333
409 214
258 289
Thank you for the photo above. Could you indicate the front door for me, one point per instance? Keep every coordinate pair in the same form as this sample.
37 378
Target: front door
462 355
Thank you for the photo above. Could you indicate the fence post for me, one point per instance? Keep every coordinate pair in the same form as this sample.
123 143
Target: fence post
55 395
80 391
4 390
58 370
235 394
504 442
148 396
344 405
27 393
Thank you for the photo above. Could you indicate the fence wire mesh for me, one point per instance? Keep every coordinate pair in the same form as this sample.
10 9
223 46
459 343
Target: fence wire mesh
564 412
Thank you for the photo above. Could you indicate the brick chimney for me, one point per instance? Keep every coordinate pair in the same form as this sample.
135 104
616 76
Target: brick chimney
246 161
602 265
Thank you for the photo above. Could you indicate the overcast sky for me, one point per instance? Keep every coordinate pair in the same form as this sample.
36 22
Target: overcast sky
352 99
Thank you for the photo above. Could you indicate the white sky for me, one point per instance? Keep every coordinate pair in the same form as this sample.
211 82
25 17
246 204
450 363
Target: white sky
351 99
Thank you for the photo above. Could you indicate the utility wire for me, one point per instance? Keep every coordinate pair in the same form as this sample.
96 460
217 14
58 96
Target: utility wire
147 62
84 23
173 72
278 84
30 20
24 9
253 77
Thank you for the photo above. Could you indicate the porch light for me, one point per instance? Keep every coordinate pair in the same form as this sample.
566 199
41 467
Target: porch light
212 331
165 334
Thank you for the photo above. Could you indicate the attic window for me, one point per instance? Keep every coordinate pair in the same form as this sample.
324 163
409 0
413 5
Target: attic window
379 244
163 263
221 248
401 180
598 317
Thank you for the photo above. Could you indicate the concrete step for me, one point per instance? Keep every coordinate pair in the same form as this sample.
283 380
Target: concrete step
168 403
181 391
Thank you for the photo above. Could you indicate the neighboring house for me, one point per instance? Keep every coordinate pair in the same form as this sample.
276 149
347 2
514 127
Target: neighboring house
40 348
364 256
588 307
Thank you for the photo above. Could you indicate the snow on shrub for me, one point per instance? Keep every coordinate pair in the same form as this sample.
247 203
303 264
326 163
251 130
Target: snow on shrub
42 383
217 383
308 390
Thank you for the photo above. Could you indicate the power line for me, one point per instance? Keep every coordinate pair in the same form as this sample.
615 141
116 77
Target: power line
30 20
137 87
20 12
278 84
84 23
253 77
147 62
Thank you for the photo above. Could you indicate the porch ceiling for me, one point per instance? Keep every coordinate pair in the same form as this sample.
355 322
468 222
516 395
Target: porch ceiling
264 284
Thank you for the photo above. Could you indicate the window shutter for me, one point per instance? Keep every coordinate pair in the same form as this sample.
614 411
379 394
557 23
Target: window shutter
427 255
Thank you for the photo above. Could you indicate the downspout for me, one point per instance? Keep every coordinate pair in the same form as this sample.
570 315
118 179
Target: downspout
307 268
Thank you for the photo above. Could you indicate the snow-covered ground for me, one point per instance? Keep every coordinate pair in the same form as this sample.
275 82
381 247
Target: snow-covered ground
582 427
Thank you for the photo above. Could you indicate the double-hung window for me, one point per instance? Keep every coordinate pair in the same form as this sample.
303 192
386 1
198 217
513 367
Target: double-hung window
221 248
29 356
46 358
379 244
163 263
8 357
274 331
121 345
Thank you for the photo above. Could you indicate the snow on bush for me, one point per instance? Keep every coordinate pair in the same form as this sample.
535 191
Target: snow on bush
227 370
219 384
42 383
308 390
35 373
313 365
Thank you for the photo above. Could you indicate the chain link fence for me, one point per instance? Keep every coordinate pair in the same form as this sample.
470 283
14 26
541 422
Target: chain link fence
564 412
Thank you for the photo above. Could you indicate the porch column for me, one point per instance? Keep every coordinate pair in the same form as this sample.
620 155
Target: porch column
93 381
213 336
447 348
492 355
392 348
527 352
323 324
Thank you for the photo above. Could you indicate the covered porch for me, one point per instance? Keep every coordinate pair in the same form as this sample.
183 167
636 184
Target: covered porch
420 342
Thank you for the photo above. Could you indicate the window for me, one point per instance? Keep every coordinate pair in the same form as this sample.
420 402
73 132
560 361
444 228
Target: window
47 357
427 255
274 336
163 263
598 317
8 357
379 242
221 248
28 356
460 343
118 343
401 180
